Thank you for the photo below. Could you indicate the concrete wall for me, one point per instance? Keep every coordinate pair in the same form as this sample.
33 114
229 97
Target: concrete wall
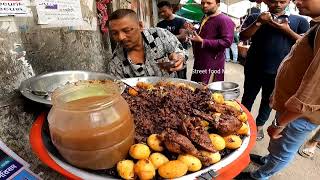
24 43
62 49
27 49
13 66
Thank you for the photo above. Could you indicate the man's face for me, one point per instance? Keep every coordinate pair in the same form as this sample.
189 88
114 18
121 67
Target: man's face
209 6
277 6
165 12
309 7
126 31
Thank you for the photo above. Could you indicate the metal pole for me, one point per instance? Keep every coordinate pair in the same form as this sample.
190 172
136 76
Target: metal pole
227 7
155 12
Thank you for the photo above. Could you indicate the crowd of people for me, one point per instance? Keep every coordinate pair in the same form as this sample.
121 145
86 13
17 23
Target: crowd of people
283 61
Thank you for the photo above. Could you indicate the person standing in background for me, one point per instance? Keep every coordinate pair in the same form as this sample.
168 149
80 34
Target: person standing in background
272 34
210 42
296 99
309 148
176 26
233 48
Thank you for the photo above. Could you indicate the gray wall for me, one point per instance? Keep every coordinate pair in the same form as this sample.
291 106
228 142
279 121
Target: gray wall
61 49
24 43
27 49
13 66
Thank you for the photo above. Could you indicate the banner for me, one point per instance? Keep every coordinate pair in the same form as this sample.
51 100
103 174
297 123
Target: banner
59 12
13 7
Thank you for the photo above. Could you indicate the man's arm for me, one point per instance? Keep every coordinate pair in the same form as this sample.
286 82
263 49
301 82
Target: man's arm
251 25
227 33
174 48
182 36
293 35
307 97
225 41
303 27
182 30
285 28
281 122
286 117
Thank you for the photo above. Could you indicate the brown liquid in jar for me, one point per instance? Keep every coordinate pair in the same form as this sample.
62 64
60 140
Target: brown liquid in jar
98 145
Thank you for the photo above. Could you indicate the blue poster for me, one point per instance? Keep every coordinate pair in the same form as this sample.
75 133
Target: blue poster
24 175
8 167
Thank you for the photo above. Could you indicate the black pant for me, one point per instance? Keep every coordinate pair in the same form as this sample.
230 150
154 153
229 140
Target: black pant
252 84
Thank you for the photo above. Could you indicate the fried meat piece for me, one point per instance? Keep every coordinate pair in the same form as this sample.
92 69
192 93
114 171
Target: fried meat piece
203 115
178 143
227 125
196 133
223 109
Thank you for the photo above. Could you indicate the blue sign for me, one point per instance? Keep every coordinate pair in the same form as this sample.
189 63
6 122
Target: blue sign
24 175
9 169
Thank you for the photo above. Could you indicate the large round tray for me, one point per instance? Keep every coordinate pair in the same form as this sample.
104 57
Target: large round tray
227 168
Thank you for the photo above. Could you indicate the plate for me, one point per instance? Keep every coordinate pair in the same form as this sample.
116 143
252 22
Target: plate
39 88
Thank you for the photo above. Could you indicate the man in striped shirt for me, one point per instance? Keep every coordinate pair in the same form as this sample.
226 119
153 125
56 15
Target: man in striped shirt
140 50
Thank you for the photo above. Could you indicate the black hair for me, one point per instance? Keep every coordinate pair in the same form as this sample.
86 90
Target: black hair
121 13
164 3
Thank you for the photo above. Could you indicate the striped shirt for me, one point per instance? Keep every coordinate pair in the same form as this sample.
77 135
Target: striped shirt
158 44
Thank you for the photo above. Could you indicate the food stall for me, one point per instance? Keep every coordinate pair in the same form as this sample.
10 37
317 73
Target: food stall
231 163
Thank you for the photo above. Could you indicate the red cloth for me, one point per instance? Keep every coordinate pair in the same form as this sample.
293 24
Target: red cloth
102 8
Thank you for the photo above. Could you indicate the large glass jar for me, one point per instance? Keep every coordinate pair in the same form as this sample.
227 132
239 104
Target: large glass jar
90 124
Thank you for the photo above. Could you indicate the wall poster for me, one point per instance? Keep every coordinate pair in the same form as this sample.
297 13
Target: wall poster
59 12
13 8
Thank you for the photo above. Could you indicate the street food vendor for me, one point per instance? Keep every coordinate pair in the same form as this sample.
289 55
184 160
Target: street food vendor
140 51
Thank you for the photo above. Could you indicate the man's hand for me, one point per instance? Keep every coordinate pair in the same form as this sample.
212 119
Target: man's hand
178 58
265 17
188 26
283 120
196 38
274 133
284 26
183 34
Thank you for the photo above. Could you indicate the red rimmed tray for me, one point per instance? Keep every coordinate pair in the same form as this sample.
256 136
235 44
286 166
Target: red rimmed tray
229 171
